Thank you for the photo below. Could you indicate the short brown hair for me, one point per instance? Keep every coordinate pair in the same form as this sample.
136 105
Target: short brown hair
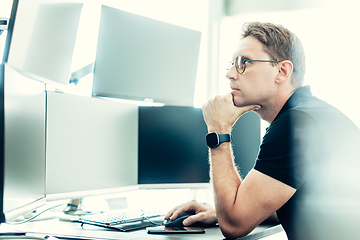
281 44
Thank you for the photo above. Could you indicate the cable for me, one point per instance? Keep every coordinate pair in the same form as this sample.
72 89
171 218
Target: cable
47 237
28 220
152 222
20 237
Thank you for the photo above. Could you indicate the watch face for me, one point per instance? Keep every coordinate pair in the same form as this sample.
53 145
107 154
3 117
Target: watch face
212 140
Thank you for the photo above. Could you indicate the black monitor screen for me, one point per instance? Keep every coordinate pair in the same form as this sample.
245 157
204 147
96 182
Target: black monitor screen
172 146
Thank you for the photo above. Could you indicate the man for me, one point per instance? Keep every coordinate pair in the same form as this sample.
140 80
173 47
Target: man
266 76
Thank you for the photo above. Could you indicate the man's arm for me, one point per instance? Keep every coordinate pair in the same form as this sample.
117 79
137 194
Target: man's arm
240 205
243 205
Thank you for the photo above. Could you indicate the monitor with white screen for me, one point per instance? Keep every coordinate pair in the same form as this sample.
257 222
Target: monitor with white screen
24 144
141 58
173 150
43 39
91 146
38 50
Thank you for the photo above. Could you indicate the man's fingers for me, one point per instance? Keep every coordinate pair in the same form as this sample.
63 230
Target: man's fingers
174 213
188 222
245 109
170 213
194 218
203 217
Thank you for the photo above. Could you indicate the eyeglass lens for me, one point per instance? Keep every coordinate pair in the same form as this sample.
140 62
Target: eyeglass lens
240 64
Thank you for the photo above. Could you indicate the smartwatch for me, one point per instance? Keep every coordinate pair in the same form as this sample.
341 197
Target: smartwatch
214 139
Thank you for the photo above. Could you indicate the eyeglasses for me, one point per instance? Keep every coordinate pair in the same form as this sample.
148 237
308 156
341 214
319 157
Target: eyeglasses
240 63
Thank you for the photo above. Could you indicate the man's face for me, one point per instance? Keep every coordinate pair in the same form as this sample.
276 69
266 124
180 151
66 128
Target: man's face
257 84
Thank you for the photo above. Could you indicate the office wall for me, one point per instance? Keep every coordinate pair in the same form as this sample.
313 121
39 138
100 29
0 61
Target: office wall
237 7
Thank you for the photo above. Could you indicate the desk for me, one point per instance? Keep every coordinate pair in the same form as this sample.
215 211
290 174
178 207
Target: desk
59 228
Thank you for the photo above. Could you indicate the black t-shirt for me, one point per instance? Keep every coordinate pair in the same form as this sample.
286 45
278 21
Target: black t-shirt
305 141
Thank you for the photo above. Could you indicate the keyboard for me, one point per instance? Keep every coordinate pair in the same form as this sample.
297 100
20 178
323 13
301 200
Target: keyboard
119 217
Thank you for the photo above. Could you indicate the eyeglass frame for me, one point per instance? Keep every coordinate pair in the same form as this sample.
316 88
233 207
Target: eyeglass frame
248 60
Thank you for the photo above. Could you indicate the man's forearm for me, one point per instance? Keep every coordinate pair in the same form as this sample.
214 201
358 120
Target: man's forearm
225 179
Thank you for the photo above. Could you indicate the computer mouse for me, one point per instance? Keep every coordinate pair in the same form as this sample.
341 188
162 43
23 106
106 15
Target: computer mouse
178 222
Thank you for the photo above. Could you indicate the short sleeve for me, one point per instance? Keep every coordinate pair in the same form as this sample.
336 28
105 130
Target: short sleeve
287 148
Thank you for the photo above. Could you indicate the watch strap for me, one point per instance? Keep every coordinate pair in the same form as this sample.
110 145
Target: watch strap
214 139
224 138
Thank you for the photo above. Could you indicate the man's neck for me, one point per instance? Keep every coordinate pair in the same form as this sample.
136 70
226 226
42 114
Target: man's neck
271 110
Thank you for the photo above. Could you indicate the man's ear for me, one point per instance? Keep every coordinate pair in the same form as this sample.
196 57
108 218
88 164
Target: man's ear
285 69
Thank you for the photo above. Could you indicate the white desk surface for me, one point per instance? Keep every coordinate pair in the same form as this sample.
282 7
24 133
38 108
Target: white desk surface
59 228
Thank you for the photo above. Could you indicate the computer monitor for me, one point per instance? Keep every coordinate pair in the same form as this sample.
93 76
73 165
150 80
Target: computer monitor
42 40
22 121
173 151
24 144
91 146
38 50
141 58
